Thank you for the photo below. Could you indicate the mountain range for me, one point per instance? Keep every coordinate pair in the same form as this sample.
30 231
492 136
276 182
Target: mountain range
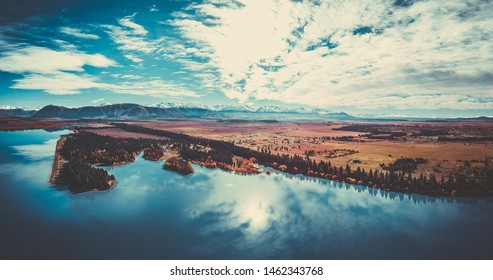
183 110
16 111
167 110
123 111
246 108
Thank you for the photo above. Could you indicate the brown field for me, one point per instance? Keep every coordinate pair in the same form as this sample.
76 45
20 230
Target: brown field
24 123
231 130
439 155
298 137
116 132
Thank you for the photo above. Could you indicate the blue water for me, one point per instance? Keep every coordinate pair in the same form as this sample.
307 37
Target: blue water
156 214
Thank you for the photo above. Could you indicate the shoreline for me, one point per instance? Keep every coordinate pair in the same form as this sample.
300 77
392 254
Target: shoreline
58 160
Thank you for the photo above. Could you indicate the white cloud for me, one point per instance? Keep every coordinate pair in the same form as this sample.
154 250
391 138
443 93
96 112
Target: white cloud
131 37
57 83
134 27
133 58
97 101
65 46
343 53
154 87
127 76
62 73
46 69
78 33
43 60
129 40
153 8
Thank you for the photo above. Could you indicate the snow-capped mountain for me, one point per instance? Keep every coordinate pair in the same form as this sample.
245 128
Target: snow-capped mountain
124 110
232 108
245 108
7 107
273 109
6 110
321 111
219 108
302 110
189 110
167 105
298 110
164 109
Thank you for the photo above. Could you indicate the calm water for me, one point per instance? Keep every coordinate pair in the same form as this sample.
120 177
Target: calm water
156 214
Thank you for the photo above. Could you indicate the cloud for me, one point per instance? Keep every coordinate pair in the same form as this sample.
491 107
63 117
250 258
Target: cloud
427 54
62 72
129 41
153 8
133 58
134 27
57 83
40 60
130 36
49 70
65 46
97 101
128 76
339 53
78 33
132 40
153 87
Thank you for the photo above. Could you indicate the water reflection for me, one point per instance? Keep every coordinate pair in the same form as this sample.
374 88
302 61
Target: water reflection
153 213
36 151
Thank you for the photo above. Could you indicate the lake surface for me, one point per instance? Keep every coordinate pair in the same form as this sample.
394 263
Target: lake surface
156 214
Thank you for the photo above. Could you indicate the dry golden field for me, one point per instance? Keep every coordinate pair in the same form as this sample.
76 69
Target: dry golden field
298 137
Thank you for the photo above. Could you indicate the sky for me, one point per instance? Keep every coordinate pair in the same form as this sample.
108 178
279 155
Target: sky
389 57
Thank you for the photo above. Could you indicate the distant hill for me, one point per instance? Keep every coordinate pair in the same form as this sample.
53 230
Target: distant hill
16 111
186 110
249 109
477 119
181 110
123 111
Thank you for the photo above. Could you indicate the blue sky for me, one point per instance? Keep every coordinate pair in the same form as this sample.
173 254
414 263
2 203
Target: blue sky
420 58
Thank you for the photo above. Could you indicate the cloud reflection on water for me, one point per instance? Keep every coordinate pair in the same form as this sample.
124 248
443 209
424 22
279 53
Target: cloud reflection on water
37 151
276 213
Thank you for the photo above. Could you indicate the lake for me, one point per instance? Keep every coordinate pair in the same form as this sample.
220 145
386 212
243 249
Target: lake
157 214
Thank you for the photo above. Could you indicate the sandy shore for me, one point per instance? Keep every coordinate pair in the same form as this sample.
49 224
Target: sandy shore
58 160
